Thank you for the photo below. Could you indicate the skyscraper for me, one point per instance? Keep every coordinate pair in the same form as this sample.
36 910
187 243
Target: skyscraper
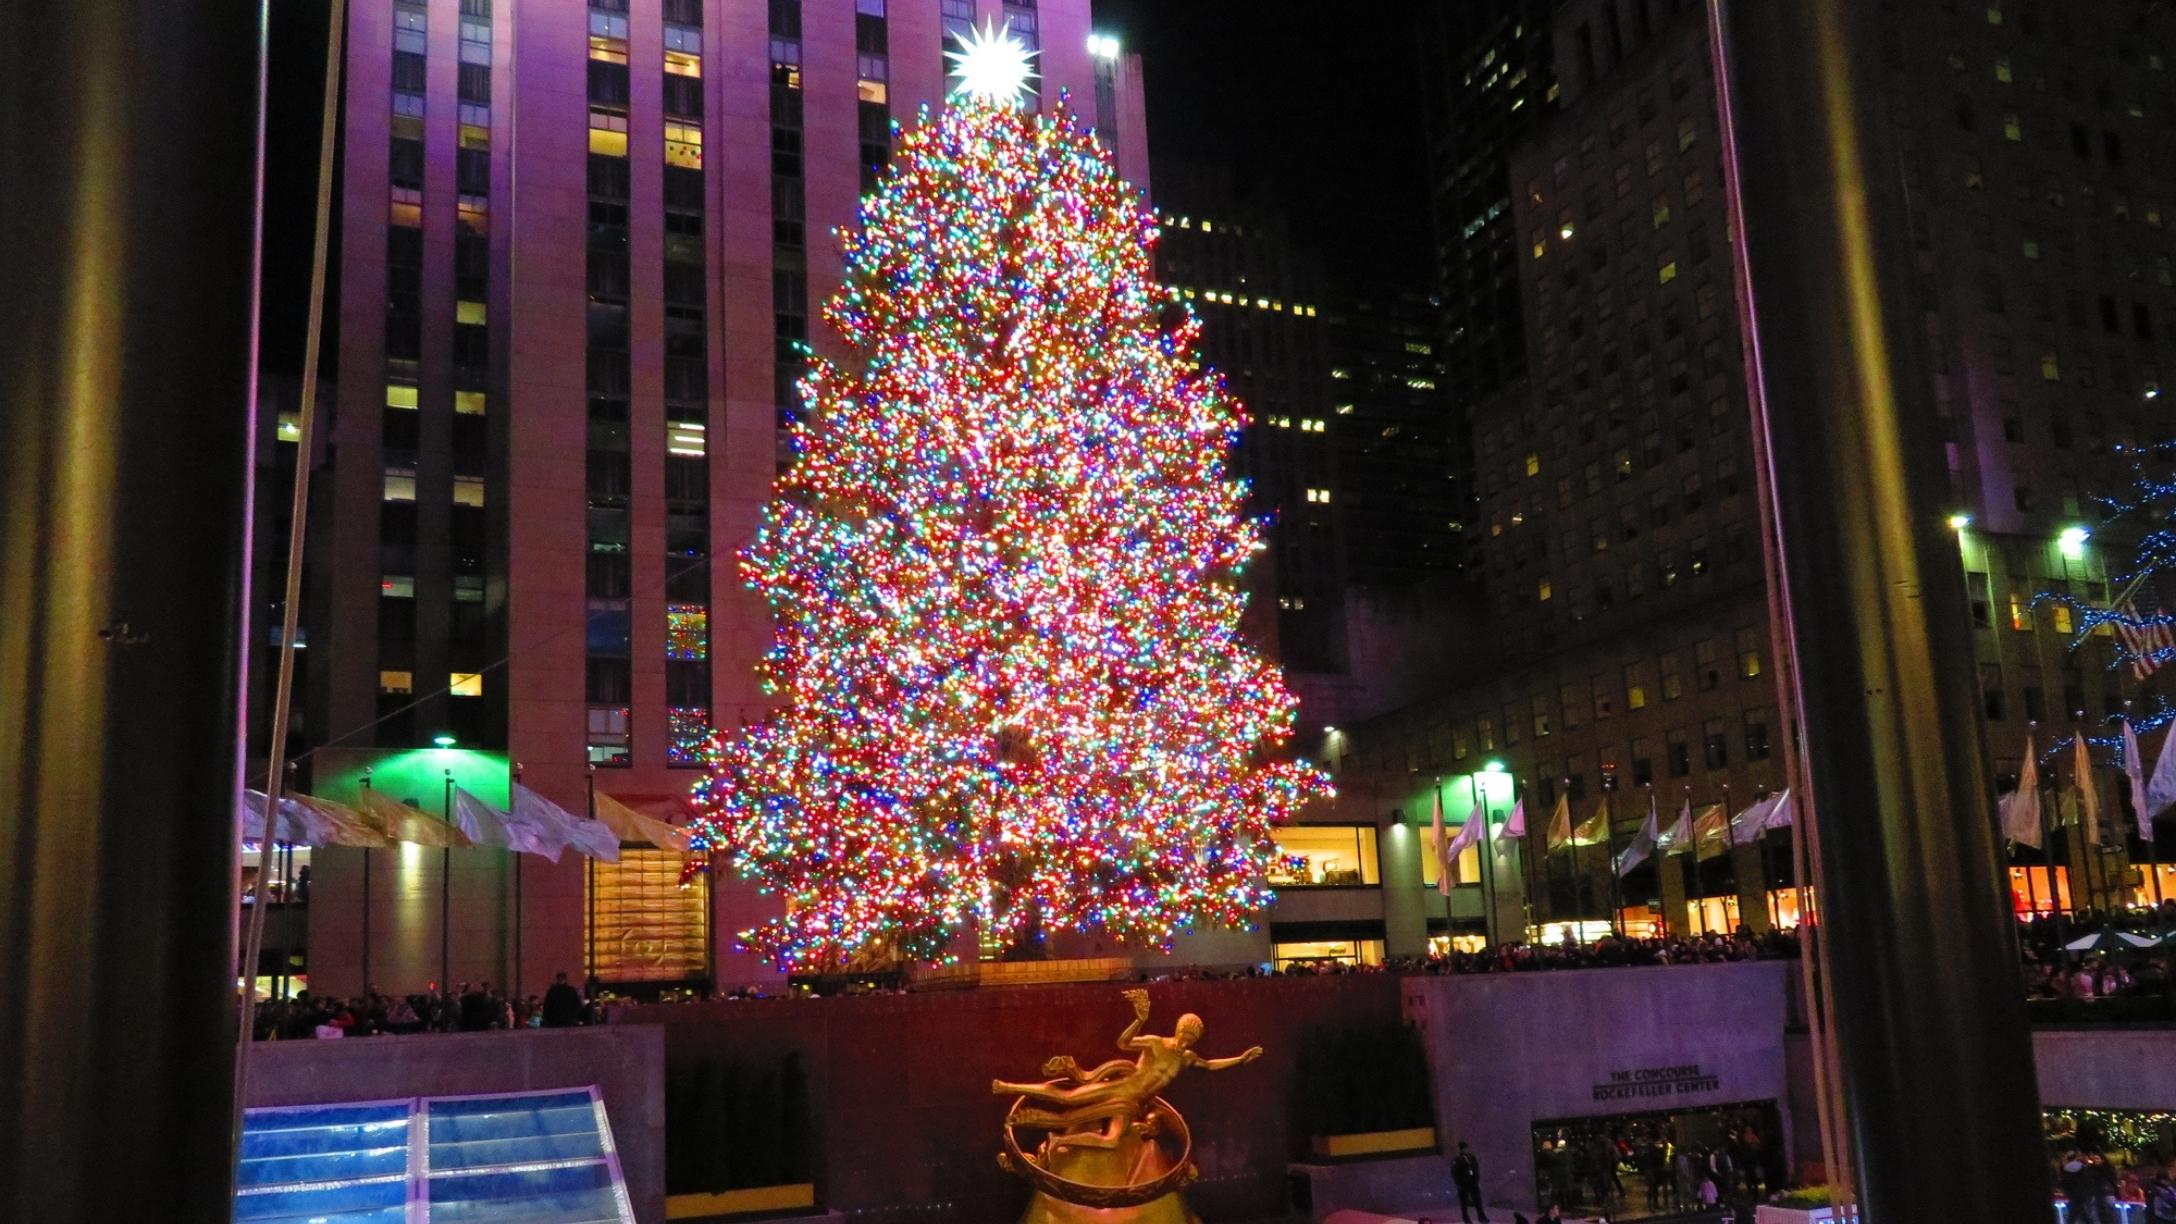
1403 511
581 252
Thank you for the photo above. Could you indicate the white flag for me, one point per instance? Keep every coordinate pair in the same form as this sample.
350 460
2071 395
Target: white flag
2134 772
1469 835
563 828
1782 810
1636 851
1747 826
1516 826
2020 809
488 826
1679 836
2161 788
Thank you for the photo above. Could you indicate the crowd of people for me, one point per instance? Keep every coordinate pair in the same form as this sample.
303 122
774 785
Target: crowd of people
2138 973
465 1008
2092 1186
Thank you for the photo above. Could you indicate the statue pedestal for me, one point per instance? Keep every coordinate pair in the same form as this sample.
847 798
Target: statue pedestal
1169 1209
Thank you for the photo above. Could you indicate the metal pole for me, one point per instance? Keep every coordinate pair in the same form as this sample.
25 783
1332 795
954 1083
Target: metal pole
1609 863
1936 1060
445 896
517 893
365 852
128 171
589 934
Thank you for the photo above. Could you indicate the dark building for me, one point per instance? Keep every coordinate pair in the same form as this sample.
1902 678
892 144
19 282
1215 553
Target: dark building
1259 299
1487 78
1398 490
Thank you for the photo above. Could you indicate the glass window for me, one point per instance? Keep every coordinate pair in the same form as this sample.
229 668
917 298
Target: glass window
465 684
1635 686
400 484
644 926
1673 684
1310 856
1343 952
396 682
1748 652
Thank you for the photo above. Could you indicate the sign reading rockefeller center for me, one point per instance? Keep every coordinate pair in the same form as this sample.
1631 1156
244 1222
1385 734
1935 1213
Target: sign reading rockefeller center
1655 1082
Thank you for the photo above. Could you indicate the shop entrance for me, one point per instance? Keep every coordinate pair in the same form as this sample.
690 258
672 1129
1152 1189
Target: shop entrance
1646 1165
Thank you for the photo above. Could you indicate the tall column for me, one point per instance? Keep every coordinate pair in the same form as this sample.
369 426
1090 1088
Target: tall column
126 233
1922 960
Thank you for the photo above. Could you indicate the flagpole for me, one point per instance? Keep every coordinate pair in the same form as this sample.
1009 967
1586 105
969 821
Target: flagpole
1609 862
1526 874
2032 899
589 870
1768 895
1730 855
366 899
2085 848
2060 898
1488 848
2138 813
445 896
517 893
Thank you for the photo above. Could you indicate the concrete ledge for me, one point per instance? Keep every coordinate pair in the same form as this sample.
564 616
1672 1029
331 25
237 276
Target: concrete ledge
966 974
753 1199
1374 1143
1378 1185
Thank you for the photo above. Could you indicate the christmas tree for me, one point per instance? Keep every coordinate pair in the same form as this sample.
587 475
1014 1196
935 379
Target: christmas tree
1005 570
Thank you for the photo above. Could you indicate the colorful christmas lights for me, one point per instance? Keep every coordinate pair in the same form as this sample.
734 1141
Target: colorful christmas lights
1005 572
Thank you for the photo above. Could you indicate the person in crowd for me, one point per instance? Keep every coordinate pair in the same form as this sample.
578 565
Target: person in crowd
562 1003
1466 1175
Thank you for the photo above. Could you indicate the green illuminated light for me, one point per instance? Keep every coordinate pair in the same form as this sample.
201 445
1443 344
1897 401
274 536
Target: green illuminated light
1958 522
444 741
2072 542
1493 766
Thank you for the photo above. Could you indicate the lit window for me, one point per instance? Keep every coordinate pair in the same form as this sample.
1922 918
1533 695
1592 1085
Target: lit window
686 438
1533 463
2020 613
2059 615
1344 410
406 207
1319 496
397 586
608 37
396 682
1421 384
1310 856
2002 69
2030 249
607 132
468 312
1667 273
1661 211
2011 130
1686 134
873 89
684 144
1340 372
643 926
291 427
2050 369
687 631
679 63
465 684
1566 229
400 484
468 403
1994 14
1544 592
468 490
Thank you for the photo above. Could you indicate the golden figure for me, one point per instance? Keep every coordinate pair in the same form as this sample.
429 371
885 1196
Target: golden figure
1114 1149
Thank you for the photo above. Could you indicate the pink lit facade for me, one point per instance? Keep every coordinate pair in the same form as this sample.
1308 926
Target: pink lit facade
579 247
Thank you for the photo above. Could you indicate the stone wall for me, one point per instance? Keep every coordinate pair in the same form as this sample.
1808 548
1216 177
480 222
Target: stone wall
1506 1050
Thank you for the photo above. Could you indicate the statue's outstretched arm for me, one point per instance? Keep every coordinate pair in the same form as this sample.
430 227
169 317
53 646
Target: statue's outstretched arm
1224 1064
1126 1040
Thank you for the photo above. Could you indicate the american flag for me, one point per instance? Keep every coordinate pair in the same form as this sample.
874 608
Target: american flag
2148 645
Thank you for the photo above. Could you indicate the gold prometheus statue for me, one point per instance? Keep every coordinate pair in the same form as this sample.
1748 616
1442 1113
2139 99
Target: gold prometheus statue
1112 1149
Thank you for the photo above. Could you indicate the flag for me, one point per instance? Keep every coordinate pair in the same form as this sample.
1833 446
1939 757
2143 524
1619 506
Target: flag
344 825
1440 848
1643 842
2134 772
485 825
1595 830
1783 812
589 837
1469 834
1710 832
297 825
1560 822
2020 809
1747 825
2161 787
2146 636
404 823
2081 771
1516 826
1679 835
630 825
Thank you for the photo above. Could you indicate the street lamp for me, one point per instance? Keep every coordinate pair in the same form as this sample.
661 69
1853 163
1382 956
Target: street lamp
444 740
2072 542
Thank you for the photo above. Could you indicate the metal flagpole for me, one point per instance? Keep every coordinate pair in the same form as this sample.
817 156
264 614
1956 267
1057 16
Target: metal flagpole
1609 862
1730 860
2086 841
589 872
366 899
2032 898
517 891
2060 896
445 897
1443 863
1526 875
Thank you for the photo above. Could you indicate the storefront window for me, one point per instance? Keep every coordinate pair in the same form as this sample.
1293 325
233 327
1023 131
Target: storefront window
644 927
1636 1166
1328 952
1314 856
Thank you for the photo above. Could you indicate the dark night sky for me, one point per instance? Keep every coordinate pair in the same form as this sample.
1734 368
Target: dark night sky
1314 105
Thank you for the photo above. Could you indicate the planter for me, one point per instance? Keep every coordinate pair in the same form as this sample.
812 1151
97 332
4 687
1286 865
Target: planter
1375 1143
740 1202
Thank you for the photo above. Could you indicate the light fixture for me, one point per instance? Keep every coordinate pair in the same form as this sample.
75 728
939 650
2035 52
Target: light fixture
444 740
1958 522
1103 46
2072 542
1493 766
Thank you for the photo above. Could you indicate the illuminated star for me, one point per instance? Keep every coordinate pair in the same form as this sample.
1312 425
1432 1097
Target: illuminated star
991 65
